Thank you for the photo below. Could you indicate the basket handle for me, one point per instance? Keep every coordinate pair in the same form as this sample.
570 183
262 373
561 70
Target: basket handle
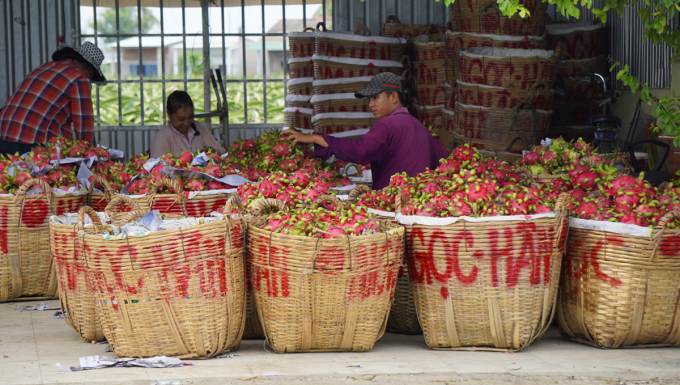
449 26
518 106
495 11
657 235
364 28
99 180
89 211
320 26
360 189
260 205
399 202
513 140
329 198
405 61
233 202
133 216
392 19
23 189
172 184
539 86
310 29
110 209
407 75
356 167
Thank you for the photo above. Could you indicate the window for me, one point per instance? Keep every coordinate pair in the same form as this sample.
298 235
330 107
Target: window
152 49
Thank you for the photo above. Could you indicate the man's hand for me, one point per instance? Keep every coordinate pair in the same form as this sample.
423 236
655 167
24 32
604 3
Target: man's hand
298 137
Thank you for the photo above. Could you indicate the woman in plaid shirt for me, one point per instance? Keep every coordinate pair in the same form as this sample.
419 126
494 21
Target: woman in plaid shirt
53 100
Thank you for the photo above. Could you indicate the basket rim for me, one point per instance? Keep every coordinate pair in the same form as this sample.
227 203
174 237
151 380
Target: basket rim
350 36
358 62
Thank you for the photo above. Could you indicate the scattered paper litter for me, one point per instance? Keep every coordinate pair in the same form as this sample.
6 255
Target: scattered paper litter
271 374
100 362
356 366
227 355
42 307
58 314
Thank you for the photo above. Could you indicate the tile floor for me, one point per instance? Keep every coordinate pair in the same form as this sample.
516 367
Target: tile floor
32 342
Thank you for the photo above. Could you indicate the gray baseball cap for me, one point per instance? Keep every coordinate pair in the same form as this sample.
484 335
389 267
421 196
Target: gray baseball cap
384 81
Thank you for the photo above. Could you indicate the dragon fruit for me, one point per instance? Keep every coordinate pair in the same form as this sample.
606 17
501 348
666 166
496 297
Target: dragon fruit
194 184
281 149
530 158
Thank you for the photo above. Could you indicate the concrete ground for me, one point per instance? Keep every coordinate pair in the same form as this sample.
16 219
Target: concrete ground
32 342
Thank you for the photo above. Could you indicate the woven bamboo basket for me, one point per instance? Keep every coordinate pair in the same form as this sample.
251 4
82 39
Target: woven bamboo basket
425 49
99 200
577 40
300 67
482 16
511 148
451 95
299 101
341 86
432 116
167 204
432 94
539 94
345 102
621 290
300 86
119 207
509 68
302 43
356 46
393 27
571 68
177 292
486 285
446 138
75 291
333 122
327 67
26 268
429 72
298 117
501 156
322 295
502 124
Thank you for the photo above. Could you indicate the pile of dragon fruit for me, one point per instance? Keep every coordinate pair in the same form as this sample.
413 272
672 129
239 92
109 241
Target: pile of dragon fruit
559 157
301 188
320 222
253 159
62 176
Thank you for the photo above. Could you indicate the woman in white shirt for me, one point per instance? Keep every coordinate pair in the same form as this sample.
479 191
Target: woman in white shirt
182 133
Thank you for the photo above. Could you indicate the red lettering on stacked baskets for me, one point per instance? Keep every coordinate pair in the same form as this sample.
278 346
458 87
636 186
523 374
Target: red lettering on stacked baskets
34 214
195 209
4 212
69 206
116 262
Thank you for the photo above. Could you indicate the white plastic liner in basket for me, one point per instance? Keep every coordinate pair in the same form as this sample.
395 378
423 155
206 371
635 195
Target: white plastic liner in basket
343 115
326 97
425 39
432 221
542 112
382 213
294 81
352 37
563 29
359 62
611 227
298 98
448 112
306 111
439 106
300 59
72 219
504 53
496 37
596 58
359 132
359 79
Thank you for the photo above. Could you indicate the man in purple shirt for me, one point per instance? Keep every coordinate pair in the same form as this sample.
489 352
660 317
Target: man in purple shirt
397 142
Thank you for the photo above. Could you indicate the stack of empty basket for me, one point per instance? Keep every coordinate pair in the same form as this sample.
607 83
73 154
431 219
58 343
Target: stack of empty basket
298 111
429 73
501 77
344 64
581 46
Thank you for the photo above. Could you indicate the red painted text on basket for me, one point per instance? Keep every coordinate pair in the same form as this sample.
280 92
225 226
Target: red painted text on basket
372 53
372 283
369 70
491 73
68 206
34 213
534 254
4 212
670 246
590 258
